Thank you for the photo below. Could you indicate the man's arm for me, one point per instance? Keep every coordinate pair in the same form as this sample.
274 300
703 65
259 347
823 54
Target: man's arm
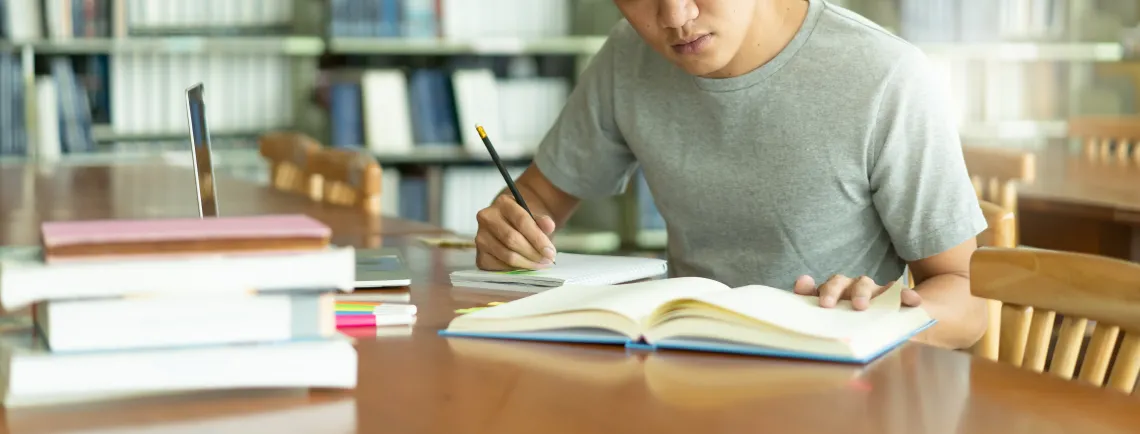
943 282
925 199
582 157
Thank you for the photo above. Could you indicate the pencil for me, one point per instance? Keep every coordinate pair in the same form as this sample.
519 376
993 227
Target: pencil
503 170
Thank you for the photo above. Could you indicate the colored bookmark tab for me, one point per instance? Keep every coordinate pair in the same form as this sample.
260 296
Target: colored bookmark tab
373 320
360 303
478 308
387 309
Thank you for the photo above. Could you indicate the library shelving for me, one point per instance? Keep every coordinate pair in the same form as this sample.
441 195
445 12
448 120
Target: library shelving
301 66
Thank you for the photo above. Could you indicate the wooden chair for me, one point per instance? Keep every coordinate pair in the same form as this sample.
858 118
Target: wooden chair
1108 138
288 155
996 172
999 233
347 177
1035 286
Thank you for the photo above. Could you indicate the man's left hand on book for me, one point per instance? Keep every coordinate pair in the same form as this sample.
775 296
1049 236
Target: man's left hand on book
859 290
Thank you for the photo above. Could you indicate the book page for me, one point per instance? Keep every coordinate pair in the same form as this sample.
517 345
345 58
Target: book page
802 314
634 301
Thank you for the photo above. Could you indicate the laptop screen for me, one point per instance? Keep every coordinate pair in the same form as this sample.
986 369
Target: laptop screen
200 150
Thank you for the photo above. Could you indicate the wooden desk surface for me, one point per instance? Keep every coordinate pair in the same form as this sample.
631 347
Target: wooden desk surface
1065 177
1081 205
413 381
30 195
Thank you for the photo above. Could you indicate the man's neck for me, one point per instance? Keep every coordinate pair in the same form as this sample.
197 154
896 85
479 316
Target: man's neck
773 28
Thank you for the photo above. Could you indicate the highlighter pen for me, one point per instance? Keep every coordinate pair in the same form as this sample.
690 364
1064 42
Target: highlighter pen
503 171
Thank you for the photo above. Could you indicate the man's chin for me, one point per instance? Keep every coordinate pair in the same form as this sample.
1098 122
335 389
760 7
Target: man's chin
699 68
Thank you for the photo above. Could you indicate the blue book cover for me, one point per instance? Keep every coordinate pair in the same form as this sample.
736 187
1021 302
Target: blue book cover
419 19
337 10
432 107
345 112
7 98
389 18
413 199
19 123
585 336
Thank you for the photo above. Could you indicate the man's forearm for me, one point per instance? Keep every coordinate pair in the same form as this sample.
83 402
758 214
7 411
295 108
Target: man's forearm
961 317
543 198
534 201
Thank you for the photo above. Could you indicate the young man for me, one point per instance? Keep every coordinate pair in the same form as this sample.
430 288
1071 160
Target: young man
789 143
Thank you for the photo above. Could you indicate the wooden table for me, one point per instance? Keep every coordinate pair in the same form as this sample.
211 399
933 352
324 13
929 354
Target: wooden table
1080 205
413 381
30 195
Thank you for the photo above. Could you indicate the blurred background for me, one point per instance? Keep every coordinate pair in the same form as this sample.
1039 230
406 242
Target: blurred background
92 81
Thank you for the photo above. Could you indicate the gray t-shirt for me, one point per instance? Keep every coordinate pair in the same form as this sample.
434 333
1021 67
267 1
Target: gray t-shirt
839 156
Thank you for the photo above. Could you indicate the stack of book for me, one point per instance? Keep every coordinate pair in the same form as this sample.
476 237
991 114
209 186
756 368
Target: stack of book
141 307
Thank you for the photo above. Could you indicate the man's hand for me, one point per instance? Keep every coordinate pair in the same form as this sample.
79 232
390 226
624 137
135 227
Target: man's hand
860 291
508 238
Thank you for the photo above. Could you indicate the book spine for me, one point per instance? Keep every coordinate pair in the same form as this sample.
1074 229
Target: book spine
167 322
331 270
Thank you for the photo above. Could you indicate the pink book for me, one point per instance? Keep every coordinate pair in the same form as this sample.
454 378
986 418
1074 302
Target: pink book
182 235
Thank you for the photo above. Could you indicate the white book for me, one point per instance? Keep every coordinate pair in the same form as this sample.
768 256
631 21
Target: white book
477 102
387 117
284 416
36 376
703 315
24 281
571 269
390 193
23 20
136 323
48 143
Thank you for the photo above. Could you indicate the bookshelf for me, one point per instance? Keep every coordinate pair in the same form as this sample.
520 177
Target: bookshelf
1056 65
518 63
118 69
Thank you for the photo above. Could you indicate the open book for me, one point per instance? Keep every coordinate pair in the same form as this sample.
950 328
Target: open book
571 269
697 314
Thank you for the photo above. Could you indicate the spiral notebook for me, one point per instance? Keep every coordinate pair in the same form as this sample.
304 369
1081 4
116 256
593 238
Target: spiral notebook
572 269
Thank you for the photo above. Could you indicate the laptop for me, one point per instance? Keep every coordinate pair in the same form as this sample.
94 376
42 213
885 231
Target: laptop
381 268
375 268
200 151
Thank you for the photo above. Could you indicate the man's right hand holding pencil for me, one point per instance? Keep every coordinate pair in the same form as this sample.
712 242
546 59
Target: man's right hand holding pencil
509 239
511 235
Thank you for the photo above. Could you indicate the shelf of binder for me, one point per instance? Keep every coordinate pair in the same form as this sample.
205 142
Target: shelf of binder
571 45
224 157
440 155
1071 52
287 45
105 134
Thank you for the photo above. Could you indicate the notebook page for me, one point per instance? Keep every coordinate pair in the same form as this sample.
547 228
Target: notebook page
570 269
802 313
634 300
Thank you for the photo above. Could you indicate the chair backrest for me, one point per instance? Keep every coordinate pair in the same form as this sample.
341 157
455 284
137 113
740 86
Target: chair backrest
1001 229
288 155
1108 138
996 172
347 177
1035 286
999 233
